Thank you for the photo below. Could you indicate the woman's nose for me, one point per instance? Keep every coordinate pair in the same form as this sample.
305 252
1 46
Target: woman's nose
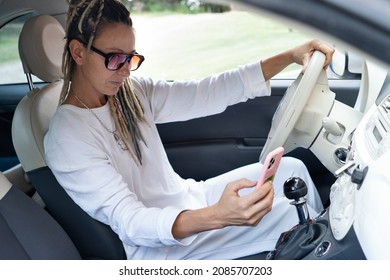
125 69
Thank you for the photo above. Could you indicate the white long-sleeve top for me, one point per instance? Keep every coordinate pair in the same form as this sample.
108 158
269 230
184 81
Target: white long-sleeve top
140 203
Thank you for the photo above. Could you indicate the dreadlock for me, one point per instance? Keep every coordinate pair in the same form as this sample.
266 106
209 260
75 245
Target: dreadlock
84 20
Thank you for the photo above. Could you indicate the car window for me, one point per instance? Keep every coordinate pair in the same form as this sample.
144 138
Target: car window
11 70
203 43
207 43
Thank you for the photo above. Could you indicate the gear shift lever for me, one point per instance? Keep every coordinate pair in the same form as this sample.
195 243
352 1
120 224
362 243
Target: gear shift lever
295 188
303 238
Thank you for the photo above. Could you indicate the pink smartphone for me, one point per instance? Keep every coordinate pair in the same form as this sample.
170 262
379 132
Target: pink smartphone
270 166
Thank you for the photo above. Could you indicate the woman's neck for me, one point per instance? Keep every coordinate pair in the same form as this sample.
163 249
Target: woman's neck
79 98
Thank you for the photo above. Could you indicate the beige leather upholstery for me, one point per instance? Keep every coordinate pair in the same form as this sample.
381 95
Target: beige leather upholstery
41 43
41 46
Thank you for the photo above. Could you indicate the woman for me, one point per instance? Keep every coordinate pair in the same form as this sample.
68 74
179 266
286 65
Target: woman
104 148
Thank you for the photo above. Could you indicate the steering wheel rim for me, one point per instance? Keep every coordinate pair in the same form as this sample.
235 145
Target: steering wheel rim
292 105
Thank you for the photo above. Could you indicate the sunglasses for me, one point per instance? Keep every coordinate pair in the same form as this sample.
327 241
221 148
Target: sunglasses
115 61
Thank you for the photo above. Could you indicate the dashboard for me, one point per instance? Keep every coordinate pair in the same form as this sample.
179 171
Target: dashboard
359 195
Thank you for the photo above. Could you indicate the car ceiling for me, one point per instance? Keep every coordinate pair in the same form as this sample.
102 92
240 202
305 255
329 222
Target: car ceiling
10 9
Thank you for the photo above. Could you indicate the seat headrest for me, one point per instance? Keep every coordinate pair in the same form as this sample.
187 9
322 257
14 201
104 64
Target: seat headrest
41 45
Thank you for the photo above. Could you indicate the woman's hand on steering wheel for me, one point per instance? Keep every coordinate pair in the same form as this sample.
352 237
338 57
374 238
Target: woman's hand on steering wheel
302 54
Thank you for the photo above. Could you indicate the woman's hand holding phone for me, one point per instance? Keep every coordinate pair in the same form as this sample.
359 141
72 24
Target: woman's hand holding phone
270 166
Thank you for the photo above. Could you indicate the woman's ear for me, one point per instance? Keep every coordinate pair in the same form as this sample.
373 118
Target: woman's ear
77 51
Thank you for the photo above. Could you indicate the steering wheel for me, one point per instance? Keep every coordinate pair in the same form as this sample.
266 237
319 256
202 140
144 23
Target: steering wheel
295 122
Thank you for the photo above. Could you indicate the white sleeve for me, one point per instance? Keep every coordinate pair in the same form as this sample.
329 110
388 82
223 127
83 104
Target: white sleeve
87 175
184 100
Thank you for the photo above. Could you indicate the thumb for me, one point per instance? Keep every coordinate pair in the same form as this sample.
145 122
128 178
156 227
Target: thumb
305 63
241 184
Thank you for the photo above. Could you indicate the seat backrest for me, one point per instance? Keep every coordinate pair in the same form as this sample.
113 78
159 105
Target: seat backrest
27 231
41 43
41 46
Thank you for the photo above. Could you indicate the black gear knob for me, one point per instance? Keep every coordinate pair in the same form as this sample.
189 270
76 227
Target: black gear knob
295 188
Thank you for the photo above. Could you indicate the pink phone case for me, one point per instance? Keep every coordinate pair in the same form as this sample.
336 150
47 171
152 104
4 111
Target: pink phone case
270 166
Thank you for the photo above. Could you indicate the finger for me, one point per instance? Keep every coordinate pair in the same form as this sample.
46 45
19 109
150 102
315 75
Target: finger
261 208
328 57
306 61
241 184
328 60
326 49
259 194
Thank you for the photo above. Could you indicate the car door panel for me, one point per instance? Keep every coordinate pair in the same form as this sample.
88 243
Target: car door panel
208 146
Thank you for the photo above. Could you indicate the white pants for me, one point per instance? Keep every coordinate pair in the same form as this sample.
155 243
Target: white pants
238 241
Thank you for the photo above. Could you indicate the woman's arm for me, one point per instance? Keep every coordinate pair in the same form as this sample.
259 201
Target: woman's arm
188 99
300 55
230 210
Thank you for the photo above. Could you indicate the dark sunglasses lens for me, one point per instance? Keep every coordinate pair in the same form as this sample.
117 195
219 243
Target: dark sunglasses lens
116 61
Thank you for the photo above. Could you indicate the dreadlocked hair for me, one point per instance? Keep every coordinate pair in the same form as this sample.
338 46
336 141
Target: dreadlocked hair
85 19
